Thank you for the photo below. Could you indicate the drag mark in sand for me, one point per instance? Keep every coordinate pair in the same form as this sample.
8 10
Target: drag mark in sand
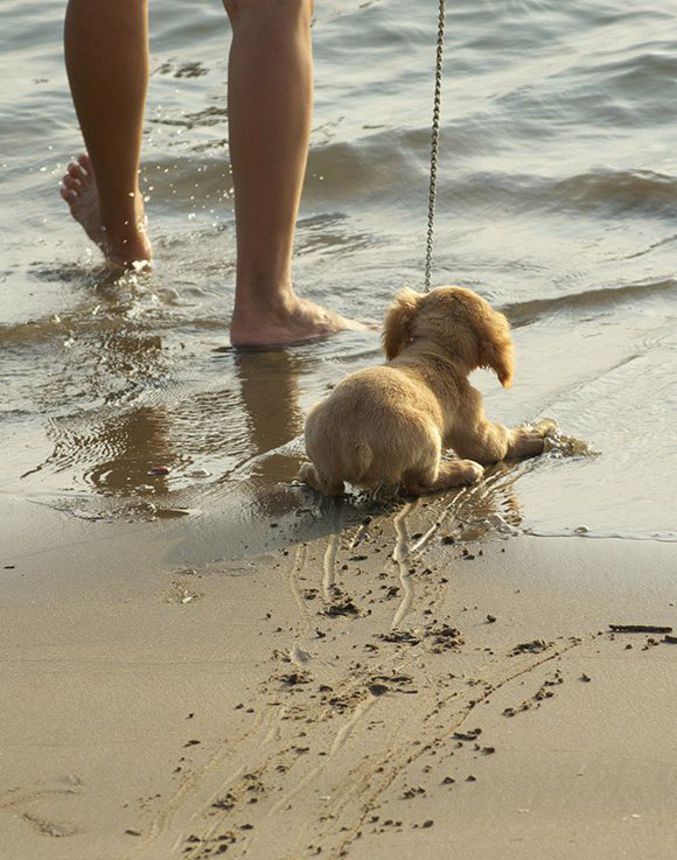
339 741
401 554
260 781
16 801
296 570
329 567
338 734
201 787
379 773
405 550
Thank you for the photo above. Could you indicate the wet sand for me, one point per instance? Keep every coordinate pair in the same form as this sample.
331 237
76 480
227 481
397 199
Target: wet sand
323 699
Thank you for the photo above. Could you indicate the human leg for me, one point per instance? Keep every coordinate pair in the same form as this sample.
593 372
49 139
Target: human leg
106 47
270 91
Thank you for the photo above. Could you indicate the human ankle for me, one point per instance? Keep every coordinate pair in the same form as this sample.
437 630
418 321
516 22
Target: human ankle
258 302
124 217
127 245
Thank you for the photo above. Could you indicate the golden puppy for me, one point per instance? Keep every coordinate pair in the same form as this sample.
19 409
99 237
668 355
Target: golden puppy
389 425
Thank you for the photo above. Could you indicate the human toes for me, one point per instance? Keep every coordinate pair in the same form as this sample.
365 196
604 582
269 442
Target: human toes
72 183
85 162
75 173
70 189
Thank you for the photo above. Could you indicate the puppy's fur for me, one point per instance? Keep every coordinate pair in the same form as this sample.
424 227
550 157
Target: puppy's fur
389 425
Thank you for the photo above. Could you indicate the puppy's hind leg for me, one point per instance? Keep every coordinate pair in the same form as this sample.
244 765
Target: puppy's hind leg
451 473
309 475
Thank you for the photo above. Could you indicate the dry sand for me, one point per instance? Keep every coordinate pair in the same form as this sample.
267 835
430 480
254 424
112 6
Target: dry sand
325 700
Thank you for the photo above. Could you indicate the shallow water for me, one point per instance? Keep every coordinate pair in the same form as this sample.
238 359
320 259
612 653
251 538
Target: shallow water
557 202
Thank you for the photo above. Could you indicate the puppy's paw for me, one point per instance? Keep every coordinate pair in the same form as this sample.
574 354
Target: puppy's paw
546 427
471 471
525 442
308 474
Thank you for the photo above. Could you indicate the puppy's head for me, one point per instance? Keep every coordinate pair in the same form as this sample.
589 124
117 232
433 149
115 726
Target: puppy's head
453 319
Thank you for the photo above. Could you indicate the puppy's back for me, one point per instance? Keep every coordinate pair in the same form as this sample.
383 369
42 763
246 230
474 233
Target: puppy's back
373 428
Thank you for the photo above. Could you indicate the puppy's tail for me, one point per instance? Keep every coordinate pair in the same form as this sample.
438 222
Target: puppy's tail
363 458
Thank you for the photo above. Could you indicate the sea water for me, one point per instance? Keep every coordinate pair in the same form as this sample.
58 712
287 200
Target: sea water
557 202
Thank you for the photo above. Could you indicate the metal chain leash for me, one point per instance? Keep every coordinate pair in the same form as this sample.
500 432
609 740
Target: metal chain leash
435 144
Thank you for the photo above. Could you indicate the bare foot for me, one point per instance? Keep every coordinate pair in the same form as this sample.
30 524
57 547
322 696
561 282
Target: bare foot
299 320
123 247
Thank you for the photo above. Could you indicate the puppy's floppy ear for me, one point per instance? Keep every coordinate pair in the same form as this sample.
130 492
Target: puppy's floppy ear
398 328
496 347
